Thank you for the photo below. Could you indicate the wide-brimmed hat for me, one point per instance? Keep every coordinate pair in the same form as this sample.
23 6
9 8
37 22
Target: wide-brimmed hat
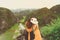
34 20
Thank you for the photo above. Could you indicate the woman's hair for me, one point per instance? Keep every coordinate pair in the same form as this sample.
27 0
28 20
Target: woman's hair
28 23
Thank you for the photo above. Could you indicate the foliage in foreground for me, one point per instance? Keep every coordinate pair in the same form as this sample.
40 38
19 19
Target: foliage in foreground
8 35
52 31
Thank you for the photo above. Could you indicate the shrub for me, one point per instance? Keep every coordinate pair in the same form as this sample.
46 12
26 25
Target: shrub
52 31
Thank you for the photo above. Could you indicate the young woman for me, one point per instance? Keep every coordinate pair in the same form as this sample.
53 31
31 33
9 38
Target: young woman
32 29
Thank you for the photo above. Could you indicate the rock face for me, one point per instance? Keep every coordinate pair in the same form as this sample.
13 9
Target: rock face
7 19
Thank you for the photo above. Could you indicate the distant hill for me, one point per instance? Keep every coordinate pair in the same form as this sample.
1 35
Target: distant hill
44 15
7 19
20 13
56 9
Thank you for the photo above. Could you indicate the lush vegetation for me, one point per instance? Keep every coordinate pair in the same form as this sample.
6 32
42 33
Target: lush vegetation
52 31
8 35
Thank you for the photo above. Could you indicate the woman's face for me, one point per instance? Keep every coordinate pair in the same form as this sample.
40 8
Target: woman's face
28 23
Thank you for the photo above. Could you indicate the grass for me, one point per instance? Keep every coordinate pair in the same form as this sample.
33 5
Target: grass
8 35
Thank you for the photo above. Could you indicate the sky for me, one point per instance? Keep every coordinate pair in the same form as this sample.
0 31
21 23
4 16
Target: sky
28 4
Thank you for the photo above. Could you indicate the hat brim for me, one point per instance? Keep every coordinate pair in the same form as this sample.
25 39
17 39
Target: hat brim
36 22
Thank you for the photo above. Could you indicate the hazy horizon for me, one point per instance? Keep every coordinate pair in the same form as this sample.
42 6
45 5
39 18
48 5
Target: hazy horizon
28 4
